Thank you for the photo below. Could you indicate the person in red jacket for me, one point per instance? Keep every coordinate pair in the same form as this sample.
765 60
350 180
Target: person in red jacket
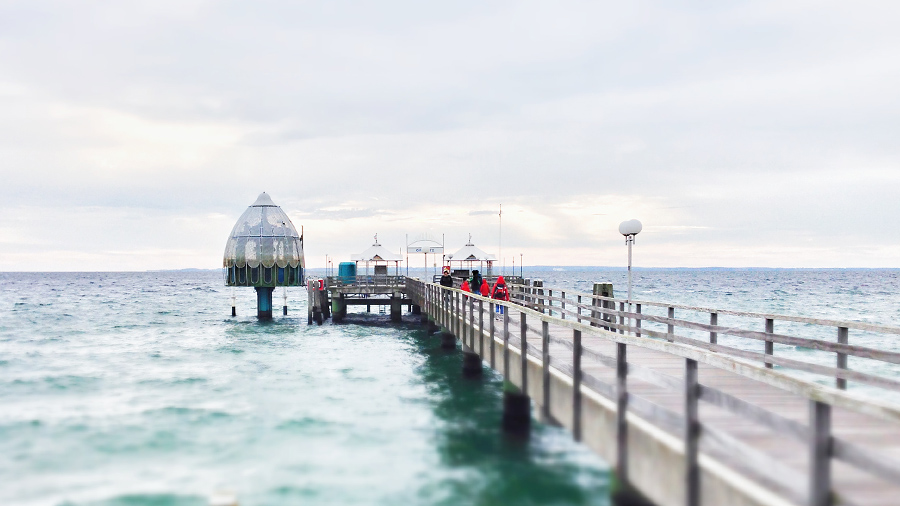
465 286
485 288
500 292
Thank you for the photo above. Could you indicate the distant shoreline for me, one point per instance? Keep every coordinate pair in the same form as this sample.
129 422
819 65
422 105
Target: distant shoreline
561 268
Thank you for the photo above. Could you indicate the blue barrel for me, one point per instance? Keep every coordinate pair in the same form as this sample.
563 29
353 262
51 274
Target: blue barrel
347 272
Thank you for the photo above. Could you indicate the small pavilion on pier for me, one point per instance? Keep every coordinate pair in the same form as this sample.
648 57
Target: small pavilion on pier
471 257
380 259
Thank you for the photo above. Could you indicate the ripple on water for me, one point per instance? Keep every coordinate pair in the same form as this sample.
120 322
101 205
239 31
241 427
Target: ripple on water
108 389
147 500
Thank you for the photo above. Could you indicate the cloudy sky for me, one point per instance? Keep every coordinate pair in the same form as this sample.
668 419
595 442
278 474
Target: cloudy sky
133 134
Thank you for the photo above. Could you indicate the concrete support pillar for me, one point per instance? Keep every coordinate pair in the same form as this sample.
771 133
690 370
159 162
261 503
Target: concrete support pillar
396 312
338 308
516 413
471 364
264 302
448 340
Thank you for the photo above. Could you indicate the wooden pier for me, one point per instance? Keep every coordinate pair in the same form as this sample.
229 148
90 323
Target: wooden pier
687 420
334 293
701 409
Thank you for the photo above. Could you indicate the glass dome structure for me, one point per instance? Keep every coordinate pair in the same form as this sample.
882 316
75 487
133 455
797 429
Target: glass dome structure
264 249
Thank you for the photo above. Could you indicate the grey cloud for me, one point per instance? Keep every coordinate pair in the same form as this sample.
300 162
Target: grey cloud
745 115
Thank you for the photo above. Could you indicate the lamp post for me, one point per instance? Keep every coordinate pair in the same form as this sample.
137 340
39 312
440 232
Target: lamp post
630 229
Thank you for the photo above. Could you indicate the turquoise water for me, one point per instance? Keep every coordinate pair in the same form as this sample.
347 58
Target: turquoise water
139 389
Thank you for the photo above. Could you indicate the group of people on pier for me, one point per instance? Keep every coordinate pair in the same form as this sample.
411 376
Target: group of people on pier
478 285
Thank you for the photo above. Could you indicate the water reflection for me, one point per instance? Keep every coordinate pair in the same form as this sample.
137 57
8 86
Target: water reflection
547 468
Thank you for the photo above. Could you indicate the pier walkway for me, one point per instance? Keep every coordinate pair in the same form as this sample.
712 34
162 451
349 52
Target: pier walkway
696 413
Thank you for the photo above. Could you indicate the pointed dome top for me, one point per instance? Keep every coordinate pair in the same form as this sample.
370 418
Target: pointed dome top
264 200
264 235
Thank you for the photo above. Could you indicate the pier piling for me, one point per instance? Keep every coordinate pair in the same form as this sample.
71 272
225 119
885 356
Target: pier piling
448 340
396 311
471 364
516 412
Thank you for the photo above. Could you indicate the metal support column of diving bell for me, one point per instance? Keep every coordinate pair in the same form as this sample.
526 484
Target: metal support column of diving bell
264 301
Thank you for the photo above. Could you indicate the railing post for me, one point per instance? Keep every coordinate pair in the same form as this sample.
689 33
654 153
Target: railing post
457 308
576 384
843 337
562 305
637 323
770 345
691 434
621 317
523 348
621 413
605 316
539 292
671 327
491 310
506 344
713 320
545 362
820 454
471 322
480 329
578 304
549 302
603 290
595 302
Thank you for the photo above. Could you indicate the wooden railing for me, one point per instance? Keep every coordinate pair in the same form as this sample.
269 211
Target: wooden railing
614 314
466 314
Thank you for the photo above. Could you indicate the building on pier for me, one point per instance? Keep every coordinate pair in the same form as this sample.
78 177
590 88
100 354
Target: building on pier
264 251
469 258
379 258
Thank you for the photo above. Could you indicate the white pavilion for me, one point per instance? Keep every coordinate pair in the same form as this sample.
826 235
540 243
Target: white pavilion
380 258
471 257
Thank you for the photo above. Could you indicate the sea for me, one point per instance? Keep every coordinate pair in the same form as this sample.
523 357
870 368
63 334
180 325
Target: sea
140 388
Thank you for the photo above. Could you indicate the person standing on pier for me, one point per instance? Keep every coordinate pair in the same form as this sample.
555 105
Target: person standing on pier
465 286
500 292
447 281
476 282
485 288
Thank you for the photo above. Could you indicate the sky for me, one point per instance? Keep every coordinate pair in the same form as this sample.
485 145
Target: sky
742 134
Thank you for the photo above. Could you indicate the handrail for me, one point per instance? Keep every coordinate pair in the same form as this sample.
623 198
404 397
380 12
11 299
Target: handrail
368 280
817 434
542 298
854 325
813 391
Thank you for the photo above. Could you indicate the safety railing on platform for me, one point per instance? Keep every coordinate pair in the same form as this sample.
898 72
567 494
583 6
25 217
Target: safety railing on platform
379 280
730 332
525 325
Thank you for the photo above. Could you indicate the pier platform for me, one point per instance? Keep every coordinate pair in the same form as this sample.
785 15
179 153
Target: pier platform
685 421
